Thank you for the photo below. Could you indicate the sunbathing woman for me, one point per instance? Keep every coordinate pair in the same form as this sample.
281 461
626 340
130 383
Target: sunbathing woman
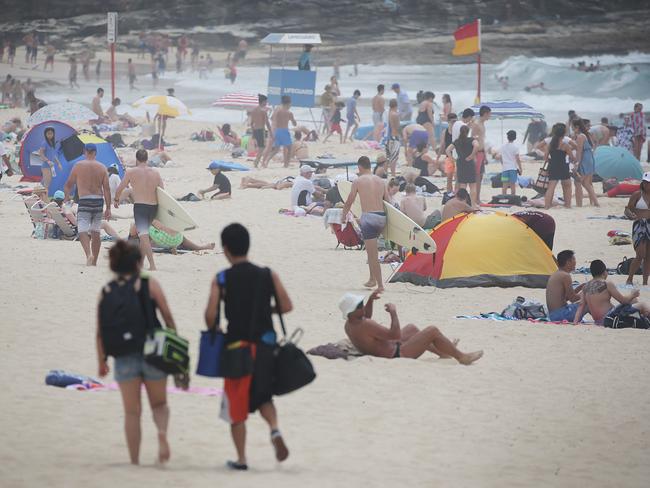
249 182
166 238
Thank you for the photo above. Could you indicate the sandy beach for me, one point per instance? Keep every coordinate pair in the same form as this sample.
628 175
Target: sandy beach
548 405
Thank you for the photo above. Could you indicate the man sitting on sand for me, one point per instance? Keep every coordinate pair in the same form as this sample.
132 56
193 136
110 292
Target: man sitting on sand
561 297
414 206
91 178
460 203
304 191
373 339
597 296
221 183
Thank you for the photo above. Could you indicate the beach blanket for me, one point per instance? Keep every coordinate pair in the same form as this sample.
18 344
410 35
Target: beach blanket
342 349
608 217
497 317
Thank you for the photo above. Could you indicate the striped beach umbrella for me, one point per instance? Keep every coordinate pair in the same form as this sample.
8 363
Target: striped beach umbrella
63 112
237 101
510 109
170 106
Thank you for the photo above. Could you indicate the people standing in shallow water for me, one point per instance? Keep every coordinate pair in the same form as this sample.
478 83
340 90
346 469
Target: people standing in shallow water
638 209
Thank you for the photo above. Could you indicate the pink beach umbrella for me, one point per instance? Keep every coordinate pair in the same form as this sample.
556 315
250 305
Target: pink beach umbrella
237 101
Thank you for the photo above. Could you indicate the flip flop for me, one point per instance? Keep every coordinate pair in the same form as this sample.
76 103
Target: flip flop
281 451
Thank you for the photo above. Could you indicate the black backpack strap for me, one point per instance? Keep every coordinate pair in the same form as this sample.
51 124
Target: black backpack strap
146 300
220 280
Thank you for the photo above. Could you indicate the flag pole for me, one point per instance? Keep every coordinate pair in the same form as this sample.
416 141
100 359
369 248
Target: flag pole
478 59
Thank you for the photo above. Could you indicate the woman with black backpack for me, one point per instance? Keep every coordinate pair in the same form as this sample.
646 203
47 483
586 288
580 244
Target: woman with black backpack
121 333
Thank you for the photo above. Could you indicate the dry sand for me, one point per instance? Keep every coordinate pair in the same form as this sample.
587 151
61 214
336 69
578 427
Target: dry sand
547 405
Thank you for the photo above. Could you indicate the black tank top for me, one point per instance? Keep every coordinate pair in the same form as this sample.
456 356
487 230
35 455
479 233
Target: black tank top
464 149
447 138
246 291
422 165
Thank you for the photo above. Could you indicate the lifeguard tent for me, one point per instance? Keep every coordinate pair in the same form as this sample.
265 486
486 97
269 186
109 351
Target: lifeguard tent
299 82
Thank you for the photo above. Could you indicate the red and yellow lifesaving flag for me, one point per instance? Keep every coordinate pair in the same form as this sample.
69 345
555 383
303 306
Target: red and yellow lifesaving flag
468 39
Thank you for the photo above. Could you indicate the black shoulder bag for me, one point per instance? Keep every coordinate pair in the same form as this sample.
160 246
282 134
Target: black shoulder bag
293 370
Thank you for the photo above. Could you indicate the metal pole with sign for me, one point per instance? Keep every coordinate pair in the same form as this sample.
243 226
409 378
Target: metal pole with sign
112 38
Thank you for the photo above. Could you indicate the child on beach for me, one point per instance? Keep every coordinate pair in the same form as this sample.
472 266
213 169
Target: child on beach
335 122
131 369
221 183
511 164
352 114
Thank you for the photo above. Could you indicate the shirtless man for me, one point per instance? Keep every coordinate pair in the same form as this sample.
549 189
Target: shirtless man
144 181
600 135
461 203
372 193
97 105
281 136
478 133
393 143
91 178
415 134
259 123
371 338
378 109
113 116
561 297
598 294
414 207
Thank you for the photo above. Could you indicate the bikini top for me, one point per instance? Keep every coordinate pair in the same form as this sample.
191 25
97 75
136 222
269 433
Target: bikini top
641 204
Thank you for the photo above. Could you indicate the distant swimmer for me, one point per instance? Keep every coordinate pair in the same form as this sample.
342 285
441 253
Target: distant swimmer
539 85
374 339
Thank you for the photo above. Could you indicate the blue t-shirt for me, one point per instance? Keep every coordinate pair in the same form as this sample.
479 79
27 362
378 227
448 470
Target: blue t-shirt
351 106
51 153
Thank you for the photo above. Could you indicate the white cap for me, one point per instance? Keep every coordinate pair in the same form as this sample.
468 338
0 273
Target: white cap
646 176
349 303
305 168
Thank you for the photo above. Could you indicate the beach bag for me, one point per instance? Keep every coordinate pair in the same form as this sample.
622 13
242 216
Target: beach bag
347 236
623 267
293 370
507 200
116 140
122 321
522 309
541 184
163 348
626 317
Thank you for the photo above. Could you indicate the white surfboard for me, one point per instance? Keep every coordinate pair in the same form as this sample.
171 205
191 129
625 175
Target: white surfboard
399 228
171 214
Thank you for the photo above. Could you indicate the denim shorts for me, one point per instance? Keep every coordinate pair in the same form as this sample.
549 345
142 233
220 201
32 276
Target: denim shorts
134 366
568 313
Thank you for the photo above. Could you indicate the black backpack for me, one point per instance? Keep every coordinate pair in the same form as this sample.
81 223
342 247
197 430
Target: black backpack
623 267
122 321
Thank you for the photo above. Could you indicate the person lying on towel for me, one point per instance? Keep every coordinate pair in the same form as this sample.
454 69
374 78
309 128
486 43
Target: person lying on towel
371 338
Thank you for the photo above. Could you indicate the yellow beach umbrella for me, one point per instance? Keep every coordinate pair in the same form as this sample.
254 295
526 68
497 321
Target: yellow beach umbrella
170 106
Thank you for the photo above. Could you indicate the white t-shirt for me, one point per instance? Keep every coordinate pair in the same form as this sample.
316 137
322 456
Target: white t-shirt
113 182
455 130
3 151
509 153
301 184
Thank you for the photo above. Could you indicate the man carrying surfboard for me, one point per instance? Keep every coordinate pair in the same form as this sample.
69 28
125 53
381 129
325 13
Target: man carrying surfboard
144 181
372 193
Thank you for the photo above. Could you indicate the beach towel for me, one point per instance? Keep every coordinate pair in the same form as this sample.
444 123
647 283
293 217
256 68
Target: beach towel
342 349
497 317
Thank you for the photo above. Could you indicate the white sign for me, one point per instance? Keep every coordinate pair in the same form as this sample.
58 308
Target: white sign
112 27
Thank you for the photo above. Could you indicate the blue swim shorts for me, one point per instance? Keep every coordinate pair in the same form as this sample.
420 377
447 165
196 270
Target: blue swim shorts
509 176
568 313
282 137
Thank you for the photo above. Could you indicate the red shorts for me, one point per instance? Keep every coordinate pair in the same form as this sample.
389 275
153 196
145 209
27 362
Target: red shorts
480 162
236 396
336 128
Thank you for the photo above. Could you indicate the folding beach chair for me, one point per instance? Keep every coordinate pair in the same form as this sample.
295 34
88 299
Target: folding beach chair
42 223
56 214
